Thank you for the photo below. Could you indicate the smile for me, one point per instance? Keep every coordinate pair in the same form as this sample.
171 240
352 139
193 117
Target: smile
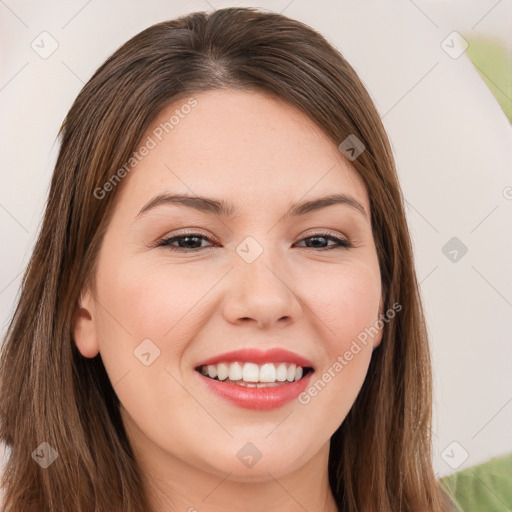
256 379
251 374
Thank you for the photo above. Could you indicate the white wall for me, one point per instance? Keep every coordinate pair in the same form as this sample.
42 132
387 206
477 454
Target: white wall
452 143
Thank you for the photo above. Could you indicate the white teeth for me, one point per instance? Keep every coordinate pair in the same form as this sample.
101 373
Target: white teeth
268 373
256 384
222 371
281 372
253 374
235 371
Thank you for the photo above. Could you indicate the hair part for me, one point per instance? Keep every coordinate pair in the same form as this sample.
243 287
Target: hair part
380 457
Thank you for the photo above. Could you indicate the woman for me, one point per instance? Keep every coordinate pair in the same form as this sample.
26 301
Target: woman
221 310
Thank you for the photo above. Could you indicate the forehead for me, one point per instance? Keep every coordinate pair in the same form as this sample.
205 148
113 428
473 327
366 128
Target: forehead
246 145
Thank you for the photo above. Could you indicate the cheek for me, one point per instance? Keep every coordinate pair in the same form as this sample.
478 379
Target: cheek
146 317
155 301
152 301
166 303
346 300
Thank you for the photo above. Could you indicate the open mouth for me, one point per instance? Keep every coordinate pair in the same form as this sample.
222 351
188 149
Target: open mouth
254 375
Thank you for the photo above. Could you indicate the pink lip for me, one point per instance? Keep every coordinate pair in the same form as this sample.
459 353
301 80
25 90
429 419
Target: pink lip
274 355
257 398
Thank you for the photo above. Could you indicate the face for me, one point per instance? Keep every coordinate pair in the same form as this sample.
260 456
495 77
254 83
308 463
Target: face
256 291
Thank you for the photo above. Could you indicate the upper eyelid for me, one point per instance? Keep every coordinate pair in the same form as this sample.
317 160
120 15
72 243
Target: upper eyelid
318 232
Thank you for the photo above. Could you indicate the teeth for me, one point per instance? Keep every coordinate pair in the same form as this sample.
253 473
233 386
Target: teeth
268 373
252 374
256 384
222 371
281 372
290 375
235 371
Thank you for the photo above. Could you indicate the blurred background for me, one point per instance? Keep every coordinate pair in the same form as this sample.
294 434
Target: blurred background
440 74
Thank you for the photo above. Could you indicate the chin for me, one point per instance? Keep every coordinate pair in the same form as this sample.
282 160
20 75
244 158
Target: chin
247 463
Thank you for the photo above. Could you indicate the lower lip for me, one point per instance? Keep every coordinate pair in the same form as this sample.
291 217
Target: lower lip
257 398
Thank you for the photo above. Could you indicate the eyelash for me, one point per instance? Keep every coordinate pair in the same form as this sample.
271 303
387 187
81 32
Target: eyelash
166 242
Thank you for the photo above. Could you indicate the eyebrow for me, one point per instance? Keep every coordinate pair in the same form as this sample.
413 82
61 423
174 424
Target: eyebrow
221 208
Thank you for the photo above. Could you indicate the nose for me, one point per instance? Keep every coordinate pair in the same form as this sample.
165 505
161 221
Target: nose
262 293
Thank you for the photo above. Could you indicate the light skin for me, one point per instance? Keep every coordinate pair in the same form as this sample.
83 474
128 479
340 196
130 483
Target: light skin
260 155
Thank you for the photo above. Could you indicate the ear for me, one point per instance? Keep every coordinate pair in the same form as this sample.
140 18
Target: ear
378 338
84 326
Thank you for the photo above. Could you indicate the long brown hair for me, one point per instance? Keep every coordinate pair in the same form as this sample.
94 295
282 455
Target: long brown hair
380 457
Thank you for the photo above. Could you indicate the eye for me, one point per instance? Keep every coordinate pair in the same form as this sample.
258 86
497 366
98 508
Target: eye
191 242
317 238
185 242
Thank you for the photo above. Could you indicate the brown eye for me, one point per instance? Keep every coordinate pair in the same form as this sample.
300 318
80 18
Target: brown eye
317 240
190 242
186 243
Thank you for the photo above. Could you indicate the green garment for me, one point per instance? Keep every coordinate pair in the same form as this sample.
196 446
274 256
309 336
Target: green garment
483 488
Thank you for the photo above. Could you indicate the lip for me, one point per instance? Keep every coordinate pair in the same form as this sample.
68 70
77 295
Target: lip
257 398
258 356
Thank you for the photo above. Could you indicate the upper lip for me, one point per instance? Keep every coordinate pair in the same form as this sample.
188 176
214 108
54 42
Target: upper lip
274 355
